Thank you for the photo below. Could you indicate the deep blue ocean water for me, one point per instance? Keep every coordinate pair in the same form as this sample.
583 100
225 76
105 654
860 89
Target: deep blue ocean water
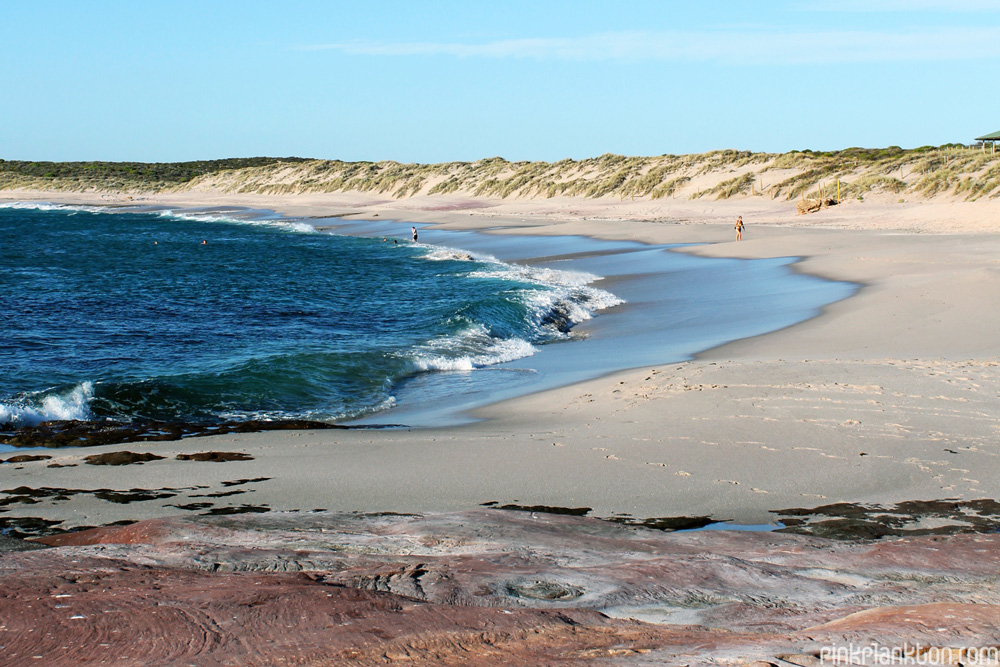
209 315
126 314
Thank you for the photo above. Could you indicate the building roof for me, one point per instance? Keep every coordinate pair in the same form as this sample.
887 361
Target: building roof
989 137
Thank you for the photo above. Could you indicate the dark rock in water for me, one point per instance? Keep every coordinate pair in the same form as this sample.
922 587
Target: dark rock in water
24 495
668 523
559 318
131 496
215 457
239 482
547 509
25 526
74 433
8 544
219 494
121 458
241 509
27 458
193 507
854 521
30 492
845 529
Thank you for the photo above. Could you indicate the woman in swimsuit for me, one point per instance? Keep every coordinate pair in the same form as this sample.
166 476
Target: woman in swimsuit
739 228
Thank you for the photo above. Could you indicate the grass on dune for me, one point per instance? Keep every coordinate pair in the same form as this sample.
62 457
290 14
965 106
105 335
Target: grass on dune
950 170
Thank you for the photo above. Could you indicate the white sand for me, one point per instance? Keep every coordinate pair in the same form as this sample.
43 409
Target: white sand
893 394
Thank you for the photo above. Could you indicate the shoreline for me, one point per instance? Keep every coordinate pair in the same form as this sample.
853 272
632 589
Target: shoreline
860 404
641 275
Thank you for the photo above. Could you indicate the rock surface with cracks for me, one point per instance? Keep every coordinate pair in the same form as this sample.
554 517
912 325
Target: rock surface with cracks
486 587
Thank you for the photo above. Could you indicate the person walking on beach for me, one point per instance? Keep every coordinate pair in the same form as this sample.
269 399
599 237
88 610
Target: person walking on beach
414 230
739 228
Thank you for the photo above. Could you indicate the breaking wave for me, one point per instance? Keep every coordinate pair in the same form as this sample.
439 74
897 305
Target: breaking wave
236 217
305 325
38 407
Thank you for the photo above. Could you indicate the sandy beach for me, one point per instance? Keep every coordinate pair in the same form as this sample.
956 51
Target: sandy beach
888 396
875 419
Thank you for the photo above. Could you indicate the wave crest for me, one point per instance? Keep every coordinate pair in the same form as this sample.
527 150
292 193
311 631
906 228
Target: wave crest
194 216
181 214
498 351
50 206
442 254
548 303
39 406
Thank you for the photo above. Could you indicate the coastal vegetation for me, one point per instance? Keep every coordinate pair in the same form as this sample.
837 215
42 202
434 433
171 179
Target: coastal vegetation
952 170
145 176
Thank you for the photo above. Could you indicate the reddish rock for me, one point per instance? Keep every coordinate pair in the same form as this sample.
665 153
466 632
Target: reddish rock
484 588
152 531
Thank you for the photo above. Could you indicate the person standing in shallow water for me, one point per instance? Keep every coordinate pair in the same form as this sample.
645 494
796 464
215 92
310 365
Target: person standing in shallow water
414 230
739 228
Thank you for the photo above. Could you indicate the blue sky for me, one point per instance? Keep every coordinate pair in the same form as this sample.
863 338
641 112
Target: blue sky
440 81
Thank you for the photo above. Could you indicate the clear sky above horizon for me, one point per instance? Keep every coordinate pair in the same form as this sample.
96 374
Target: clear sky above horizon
532 80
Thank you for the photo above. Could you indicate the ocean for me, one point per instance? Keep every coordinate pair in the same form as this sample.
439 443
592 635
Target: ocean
229 314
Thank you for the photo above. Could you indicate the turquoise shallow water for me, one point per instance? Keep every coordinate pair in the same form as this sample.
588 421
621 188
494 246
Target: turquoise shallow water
675 305
126 314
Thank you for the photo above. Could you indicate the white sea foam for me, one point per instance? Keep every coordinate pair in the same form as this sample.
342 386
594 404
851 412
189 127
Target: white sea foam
472 347
49 206
499 351
496 269
536 274
194 216
565 299
181 214
37 408
440 254
553 313
387 403
585 299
